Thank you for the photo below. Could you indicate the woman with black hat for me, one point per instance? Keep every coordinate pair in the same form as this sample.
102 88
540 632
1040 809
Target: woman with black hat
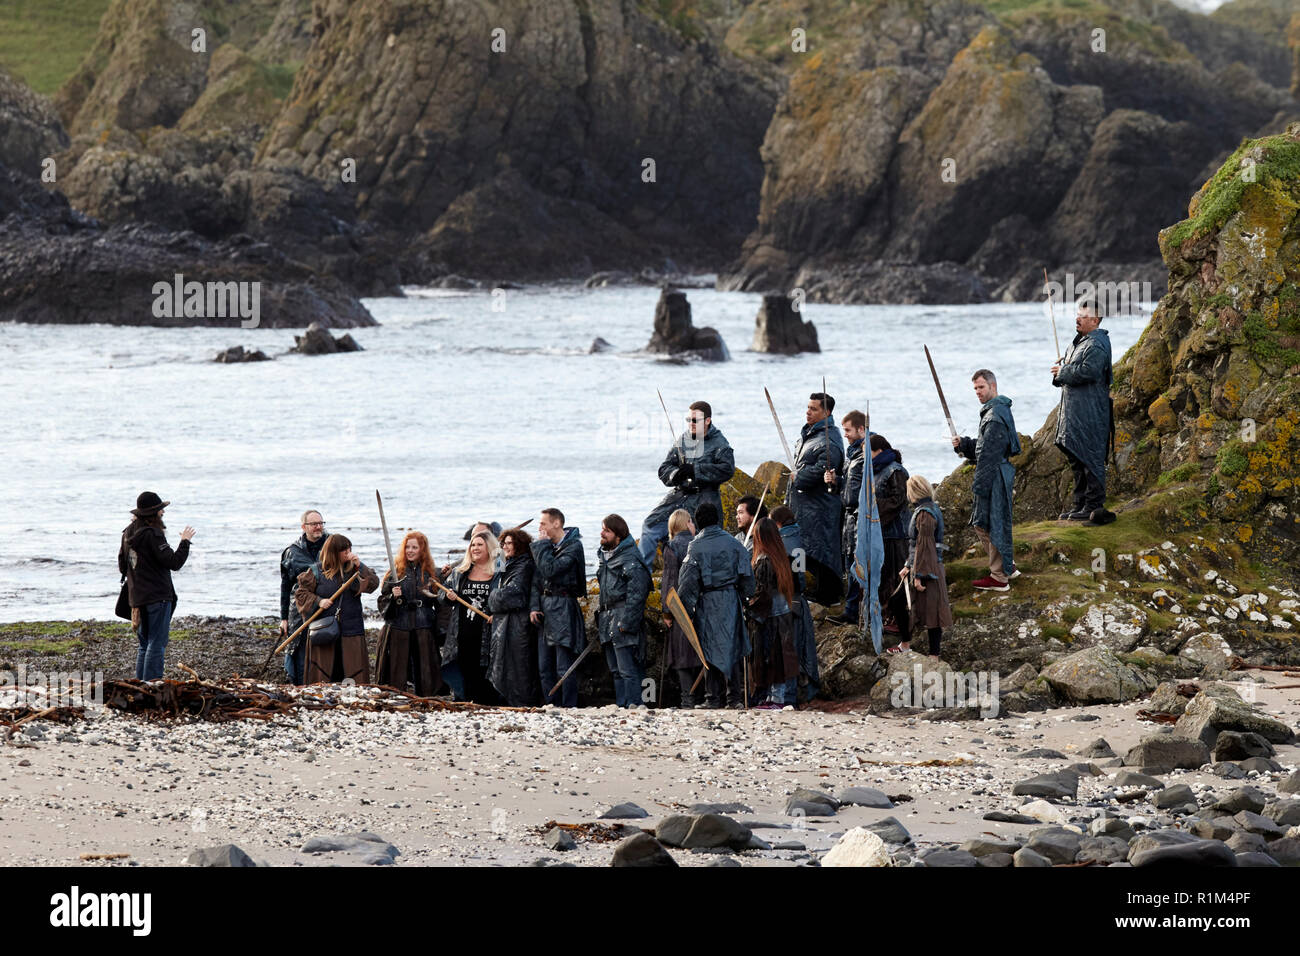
147 561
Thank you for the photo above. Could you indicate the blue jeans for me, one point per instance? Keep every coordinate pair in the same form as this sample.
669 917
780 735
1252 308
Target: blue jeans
552 661
787 693
625 668
651 534
295 661
153 633
854 598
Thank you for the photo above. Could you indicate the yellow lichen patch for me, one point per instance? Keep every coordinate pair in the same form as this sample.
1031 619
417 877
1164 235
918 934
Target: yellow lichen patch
1244 533
1162 415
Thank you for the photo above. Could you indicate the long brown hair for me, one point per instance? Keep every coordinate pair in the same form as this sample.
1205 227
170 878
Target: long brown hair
330 552
768 542
423 561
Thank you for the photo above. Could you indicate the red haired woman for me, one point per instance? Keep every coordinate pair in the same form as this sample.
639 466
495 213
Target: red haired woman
408 644
774 661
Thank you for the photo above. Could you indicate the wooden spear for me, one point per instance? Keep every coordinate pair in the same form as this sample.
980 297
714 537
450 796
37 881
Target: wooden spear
289 640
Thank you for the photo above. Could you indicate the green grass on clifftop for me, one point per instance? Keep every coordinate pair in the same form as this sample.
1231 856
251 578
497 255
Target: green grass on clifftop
42 41
1280 165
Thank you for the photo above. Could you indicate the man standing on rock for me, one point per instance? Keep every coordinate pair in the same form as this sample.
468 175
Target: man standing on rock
849 481
294 560
713 582
748 510
1084 421
559 581
699 462
994 476
812 495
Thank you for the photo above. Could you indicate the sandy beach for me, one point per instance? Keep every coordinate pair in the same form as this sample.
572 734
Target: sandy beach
453 788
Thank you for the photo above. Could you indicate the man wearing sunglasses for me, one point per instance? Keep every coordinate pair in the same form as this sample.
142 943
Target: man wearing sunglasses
294 560
700 461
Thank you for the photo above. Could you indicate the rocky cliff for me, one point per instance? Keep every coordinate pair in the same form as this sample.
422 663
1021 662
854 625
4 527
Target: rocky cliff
941 151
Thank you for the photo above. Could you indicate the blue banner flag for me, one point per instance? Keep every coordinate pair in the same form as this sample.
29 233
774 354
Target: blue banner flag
869 550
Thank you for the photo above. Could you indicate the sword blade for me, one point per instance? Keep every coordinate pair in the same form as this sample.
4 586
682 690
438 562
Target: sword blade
779 430
388 544
939 388
672 435
573 667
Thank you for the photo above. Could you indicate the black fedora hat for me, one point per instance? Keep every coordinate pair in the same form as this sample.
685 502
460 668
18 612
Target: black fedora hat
147 503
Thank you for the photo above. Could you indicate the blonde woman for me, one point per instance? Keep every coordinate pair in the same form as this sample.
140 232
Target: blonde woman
924 569
462 655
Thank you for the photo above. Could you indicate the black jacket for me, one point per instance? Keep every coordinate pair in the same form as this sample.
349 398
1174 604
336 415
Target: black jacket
294 560
148 561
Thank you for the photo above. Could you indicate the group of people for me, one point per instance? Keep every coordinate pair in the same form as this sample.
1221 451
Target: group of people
504 624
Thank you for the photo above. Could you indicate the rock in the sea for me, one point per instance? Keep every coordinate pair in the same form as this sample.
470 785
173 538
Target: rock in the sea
599 345
858 847
1196 853
1236 745
237 353
317 341
676 335
779 328
641 849
1095 675
624 811
1160 753
225 855
1206 716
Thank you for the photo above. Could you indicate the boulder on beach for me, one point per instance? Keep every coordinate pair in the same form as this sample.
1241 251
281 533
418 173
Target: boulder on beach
675 334
779 328
858 847
1095 675
1207 715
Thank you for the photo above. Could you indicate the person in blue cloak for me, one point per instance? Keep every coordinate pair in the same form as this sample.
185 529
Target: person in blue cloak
994 476
1085 420
699 462
814 498
714 582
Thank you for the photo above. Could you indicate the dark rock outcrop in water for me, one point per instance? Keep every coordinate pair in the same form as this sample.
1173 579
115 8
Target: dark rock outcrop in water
316 341
237 353
779 328
59 266
675 334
